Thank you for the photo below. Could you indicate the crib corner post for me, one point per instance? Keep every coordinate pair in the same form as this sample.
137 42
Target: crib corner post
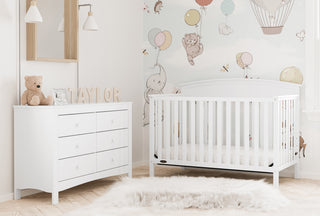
276 179
151 136
151 169
276 134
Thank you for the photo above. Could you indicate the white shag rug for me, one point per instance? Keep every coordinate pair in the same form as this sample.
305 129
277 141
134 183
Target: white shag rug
153 196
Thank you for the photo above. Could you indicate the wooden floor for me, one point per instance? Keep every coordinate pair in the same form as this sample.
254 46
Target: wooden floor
40 204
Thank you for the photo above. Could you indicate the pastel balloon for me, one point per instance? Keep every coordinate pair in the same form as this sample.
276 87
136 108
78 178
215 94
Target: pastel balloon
192 17
160 39
227 7
239 61
292 74
204 2
247 59
167 42
151 36
271 5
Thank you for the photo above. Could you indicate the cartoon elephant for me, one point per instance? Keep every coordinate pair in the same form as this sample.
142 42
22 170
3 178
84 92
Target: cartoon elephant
155 85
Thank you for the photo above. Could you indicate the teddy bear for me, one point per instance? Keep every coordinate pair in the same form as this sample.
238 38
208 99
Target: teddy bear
33 95
155 85
193 46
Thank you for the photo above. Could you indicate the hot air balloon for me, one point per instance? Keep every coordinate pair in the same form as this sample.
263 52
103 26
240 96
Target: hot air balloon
272 14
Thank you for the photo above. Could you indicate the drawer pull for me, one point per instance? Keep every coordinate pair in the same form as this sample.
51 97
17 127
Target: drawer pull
112 141
77 167
77 125
112 159
77 146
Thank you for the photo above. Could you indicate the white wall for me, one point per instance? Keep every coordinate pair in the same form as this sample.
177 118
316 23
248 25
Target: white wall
56 75
111 57
8 93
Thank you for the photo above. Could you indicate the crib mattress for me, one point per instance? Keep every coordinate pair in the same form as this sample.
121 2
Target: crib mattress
224 158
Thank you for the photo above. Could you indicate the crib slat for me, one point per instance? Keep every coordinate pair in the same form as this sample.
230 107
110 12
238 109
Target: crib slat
210 132
219 132
246 133
167 114
184 131
293 129
192 130
256 128
237 133
152 130
228 132
176 130
289 132
159 128
201 132
266 135
282 109
296 129
277 131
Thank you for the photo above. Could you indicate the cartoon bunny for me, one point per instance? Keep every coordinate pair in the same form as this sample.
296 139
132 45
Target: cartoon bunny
155 85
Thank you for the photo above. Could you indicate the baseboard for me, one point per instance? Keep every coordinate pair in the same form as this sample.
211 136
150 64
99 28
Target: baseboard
6 197
24 193
302 175
139 164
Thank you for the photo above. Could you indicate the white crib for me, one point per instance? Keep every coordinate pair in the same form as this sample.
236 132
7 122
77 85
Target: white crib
237 124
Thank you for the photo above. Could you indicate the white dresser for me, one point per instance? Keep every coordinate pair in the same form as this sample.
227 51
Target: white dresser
59 147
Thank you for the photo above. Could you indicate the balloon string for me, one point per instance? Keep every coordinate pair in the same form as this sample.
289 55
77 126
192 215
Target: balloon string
157 57
201 17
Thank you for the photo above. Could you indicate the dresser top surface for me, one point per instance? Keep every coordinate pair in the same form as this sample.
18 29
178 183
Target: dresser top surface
77 106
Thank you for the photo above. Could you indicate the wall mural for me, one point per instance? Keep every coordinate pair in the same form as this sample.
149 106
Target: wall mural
219 39
160 40
227 8
192 41
272 14
301 35
244 60
157 7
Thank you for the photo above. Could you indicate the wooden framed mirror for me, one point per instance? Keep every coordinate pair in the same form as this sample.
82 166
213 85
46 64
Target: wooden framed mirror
44 41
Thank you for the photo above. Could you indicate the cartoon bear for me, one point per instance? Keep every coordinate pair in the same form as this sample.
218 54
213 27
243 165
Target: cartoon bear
33 95
155 85
193 46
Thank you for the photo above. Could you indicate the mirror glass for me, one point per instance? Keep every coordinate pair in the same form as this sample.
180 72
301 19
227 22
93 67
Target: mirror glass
50 39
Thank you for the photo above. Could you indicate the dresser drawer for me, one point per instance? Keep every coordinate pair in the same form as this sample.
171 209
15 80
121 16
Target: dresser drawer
78 166
77 145
112 159
77 124
112 139
112 120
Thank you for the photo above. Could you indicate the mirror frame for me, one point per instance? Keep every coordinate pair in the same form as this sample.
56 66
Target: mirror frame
71 35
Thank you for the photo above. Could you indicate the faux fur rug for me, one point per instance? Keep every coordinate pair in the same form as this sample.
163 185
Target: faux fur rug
178 193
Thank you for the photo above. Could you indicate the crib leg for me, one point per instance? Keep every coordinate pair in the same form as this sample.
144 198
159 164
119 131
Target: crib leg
276 179
297 170
151 169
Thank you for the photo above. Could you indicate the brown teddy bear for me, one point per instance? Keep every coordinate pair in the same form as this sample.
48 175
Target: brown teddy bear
33 95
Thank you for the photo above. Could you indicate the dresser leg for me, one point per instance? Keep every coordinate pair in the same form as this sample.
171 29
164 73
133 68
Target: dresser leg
130 173
55 198
17 194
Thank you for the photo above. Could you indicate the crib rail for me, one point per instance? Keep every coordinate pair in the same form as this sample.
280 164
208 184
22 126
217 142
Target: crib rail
259 134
